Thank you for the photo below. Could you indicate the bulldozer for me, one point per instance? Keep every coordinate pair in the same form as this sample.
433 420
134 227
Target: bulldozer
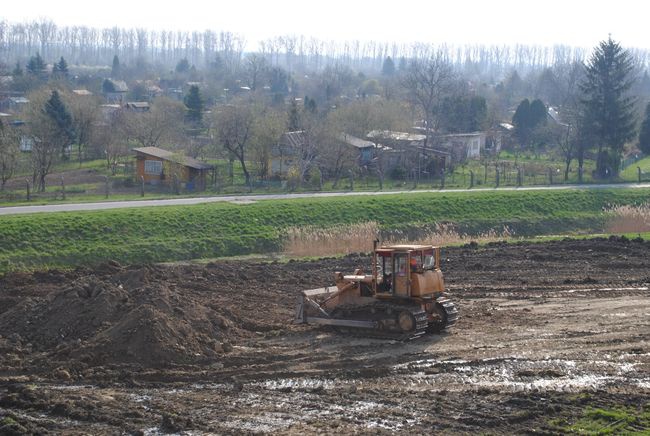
402 298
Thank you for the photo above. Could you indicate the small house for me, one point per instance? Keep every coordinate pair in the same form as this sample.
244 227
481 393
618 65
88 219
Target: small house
162 167
464 146
287 152
115 91
137 106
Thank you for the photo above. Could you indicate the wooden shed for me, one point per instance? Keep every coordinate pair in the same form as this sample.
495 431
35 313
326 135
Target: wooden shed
158 166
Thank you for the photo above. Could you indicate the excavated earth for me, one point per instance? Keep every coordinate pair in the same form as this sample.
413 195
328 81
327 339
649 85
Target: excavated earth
547 331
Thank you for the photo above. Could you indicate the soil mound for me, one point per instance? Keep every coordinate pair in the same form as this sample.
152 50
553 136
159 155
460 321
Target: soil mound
122 318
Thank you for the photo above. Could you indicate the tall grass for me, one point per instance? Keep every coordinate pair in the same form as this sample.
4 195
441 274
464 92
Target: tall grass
629 219
355 238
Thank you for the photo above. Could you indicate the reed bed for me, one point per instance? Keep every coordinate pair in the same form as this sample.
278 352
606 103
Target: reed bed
629 219
358 238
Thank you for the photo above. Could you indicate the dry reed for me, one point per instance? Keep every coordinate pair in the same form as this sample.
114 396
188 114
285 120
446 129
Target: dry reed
629 219
357 238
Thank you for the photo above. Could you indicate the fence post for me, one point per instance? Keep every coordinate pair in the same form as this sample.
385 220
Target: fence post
351 180
62 188
29 196
519 178
106 186
638 169
141 186
442 178
550 176
471 179
497 177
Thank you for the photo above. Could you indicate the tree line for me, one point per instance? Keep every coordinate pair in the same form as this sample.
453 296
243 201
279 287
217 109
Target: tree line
83 45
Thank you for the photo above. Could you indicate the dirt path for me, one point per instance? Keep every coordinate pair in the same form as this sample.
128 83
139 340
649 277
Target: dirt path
546 331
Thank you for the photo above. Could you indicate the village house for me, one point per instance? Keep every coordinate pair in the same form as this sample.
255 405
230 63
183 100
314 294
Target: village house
287 152
115 91
137 106
363 150
463 146
162 167
412 152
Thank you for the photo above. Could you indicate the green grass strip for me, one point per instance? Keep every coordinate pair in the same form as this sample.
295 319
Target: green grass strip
171 233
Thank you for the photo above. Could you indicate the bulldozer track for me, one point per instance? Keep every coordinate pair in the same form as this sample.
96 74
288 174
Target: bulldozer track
383 313
450 309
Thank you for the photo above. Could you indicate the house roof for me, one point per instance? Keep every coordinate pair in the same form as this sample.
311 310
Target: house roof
463 135
173 157
119 85
293 139
138 104
82 92
355 142
396 136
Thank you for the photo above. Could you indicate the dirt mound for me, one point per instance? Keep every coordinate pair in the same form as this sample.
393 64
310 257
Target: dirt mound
121 319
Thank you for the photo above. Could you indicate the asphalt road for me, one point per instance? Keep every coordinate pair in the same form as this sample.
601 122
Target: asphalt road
70 207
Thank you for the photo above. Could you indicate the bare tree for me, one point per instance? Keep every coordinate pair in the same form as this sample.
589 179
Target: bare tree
163 123
268 130
45 137
111 136
359 119
255 68
233 126
85 113
9 149
427 82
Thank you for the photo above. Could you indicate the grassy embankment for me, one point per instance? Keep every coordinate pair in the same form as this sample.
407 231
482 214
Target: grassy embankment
618 420
223 229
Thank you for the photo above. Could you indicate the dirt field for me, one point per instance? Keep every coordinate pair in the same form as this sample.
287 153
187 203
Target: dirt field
547 331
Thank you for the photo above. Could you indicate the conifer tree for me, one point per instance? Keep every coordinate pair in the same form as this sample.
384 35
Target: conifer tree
608 106
194 104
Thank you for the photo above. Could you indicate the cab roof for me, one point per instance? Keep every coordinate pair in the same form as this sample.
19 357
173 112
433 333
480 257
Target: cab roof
405 247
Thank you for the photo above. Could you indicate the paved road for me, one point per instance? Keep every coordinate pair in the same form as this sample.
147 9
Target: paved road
250 198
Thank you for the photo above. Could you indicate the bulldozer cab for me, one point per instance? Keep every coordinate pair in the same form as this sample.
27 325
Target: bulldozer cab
401 268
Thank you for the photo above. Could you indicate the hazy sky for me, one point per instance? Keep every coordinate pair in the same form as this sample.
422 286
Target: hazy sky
547 22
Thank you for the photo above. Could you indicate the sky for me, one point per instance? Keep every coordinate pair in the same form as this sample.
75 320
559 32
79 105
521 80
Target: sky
455 22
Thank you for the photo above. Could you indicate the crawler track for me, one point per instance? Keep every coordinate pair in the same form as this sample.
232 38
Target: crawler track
387 317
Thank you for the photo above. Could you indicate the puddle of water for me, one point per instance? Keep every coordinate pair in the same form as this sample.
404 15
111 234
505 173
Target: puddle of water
519 374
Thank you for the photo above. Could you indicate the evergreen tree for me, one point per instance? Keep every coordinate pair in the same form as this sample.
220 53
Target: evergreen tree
36 65
108 86
644 134
279 81
310 105
116 70
521 121
388 68
183 66
527 118
18 71
608 105
538 114
59 114
62 67
294 117
194 104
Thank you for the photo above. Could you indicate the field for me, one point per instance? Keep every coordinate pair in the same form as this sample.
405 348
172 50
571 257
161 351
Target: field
553 338
224 229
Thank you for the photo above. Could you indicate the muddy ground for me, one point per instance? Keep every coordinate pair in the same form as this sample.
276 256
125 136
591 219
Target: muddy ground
547 332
